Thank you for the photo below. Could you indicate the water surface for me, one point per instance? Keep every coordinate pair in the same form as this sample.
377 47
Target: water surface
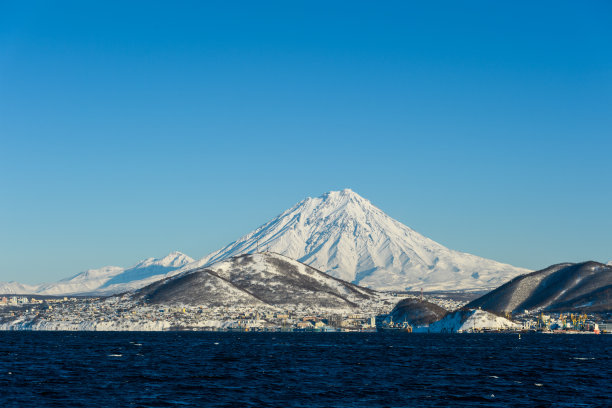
66 369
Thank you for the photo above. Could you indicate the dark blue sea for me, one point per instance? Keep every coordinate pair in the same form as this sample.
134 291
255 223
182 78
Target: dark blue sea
65 369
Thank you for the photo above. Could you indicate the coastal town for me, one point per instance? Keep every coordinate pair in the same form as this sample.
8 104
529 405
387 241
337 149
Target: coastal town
121 313
117 313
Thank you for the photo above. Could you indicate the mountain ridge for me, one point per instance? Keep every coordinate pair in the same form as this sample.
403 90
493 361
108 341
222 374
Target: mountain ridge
107 279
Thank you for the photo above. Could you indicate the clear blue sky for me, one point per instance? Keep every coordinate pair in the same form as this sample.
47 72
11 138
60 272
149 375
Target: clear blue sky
130 131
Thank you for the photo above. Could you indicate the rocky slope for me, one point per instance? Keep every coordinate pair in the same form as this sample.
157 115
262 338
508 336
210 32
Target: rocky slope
257 279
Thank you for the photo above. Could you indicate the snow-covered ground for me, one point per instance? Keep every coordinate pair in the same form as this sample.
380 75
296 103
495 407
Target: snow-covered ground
89 325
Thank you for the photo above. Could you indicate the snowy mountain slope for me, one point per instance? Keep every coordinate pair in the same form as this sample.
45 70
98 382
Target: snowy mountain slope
105 280
344 235
257 279
83 282
16 288
145 273
566 287
148 268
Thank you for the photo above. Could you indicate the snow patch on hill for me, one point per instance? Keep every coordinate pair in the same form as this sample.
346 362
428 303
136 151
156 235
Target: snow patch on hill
470 320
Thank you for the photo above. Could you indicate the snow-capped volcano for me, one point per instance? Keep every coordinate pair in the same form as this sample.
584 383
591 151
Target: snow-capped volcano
340 233
343 234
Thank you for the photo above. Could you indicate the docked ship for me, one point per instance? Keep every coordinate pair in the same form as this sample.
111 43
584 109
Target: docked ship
394 327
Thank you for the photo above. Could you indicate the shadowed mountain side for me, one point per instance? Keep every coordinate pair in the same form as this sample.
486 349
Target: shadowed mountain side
256 279
196 288
599 300
568 287
417 312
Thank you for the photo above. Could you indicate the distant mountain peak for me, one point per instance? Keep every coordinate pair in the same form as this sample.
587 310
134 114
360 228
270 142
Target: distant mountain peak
147 270
108 279
343 197
173 259
344 193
